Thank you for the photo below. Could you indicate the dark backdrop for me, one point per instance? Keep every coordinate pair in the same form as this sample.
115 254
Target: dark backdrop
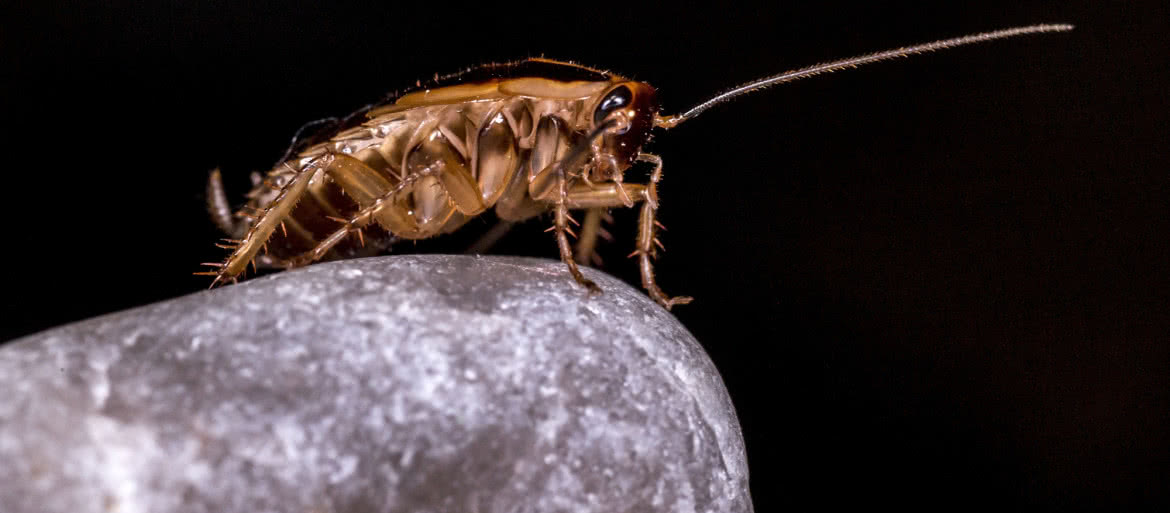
939 282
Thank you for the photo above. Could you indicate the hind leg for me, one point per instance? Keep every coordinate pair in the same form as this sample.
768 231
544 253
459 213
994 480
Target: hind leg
353 224
267 220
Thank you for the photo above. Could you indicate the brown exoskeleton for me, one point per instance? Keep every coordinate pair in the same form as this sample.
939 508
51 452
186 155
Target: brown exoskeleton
533 136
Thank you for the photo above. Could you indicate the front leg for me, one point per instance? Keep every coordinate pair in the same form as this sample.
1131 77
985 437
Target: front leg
611 195
647 225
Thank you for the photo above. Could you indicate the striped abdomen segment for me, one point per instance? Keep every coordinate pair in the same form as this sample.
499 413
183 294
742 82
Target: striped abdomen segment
415 173
436 166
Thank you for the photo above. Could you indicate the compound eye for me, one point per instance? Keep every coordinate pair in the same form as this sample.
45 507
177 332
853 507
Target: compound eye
616 99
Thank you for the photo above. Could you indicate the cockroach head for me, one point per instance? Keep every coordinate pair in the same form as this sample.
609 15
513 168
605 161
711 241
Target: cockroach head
632 107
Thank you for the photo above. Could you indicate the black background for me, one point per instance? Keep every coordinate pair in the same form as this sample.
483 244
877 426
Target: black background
939 282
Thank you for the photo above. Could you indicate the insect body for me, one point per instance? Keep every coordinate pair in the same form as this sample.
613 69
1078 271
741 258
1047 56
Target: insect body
531 137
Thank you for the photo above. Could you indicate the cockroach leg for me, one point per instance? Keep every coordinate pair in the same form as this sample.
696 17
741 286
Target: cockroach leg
647 225
220 209
611 195
590 229
268 219
562 231
322 247
269 262
355 222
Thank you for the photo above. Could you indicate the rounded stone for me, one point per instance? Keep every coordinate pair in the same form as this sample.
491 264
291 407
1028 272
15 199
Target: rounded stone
396 384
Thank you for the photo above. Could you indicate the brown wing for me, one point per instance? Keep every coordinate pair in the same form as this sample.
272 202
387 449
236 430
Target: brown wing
539 67
536 76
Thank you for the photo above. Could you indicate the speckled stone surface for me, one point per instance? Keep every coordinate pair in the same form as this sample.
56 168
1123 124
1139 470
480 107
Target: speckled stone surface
399 384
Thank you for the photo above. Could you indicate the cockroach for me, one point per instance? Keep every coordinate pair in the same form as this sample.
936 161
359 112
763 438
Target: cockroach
525 138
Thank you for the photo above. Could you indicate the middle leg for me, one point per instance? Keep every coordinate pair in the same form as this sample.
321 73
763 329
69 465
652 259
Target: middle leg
591 229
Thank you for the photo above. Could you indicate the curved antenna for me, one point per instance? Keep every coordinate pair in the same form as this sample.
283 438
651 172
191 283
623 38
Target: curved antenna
853 62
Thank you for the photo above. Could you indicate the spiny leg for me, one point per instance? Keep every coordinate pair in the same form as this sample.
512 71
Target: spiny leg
354 224
269 262
562 231
647 225
322 248
575 158
614 195
267 220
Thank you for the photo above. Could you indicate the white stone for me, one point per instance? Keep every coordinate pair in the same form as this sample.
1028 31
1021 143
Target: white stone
498 384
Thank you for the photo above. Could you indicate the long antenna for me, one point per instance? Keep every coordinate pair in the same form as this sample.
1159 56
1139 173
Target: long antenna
853 62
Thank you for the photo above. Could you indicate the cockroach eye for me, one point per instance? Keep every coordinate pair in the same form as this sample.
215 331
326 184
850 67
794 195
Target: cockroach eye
616 99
